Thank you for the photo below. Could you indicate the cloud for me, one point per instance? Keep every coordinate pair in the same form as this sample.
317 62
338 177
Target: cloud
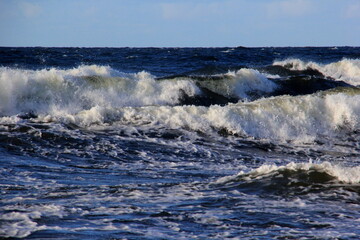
29 9
289 8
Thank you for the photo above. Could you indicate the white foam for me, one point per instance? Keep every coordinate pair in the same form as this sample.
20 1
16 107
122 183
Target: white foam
70 91
249 80
347 70
22 224
301 118
9 120
22 227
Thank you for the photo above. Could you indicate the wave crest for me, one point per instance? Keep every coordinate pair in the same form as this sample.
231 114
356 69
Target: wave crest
73 90
242 84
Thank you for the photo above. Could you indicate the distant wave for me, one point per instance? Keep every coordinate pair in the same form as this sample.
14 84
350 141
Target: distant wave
294 179
347 70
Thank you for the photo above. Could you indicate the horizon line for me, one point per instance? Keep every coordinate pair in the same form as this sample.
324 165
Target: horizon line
240 46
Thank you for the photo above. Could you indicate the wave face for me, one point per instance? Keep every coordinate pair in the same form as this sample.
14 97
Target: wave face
240 84
179 143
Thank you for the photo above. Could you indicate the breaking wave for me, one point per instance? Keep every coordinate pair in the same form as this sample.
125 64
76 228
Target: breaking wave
302 118
48 90
241 84
347 70
295 178
84 87
99 95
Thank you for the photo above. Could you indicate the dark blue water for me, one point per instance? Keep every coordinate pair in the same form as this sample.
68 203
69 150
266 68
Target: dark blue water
180 143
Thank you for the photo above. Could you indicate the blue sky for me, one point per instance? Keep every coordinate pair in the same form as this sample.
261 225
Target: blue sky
179 23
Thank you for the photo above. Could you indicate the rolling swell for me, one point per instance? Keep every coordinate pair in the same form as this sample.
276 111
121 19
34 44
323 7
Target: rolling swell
220 85
215 89
301 85
294 179
347 70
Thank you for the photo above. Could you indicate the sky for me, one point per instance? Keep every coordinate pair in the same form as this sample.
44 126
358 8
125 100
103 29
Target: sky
179 23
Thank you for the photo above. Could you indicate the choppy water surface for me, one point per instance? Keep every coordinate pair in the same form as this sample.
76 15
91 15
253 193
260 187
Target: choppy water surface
186 143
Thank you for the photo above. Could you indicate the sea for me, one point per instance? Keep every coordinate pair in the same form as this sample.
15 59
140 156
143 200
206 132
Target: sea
180 143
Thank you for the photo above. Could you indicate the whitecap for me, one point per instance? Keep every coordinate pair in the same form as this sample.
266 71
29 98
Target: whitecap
347 70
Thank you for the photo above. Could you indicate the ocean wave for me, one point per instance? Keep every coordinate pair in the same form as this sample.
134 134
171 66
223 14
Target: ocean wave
82 88
73 90
98 95
241 84
295 178
347 70
302 118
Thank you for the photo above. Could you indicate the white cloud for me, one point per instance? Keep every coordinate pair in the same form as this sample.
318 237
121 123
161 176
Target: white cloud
29 9
289 8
